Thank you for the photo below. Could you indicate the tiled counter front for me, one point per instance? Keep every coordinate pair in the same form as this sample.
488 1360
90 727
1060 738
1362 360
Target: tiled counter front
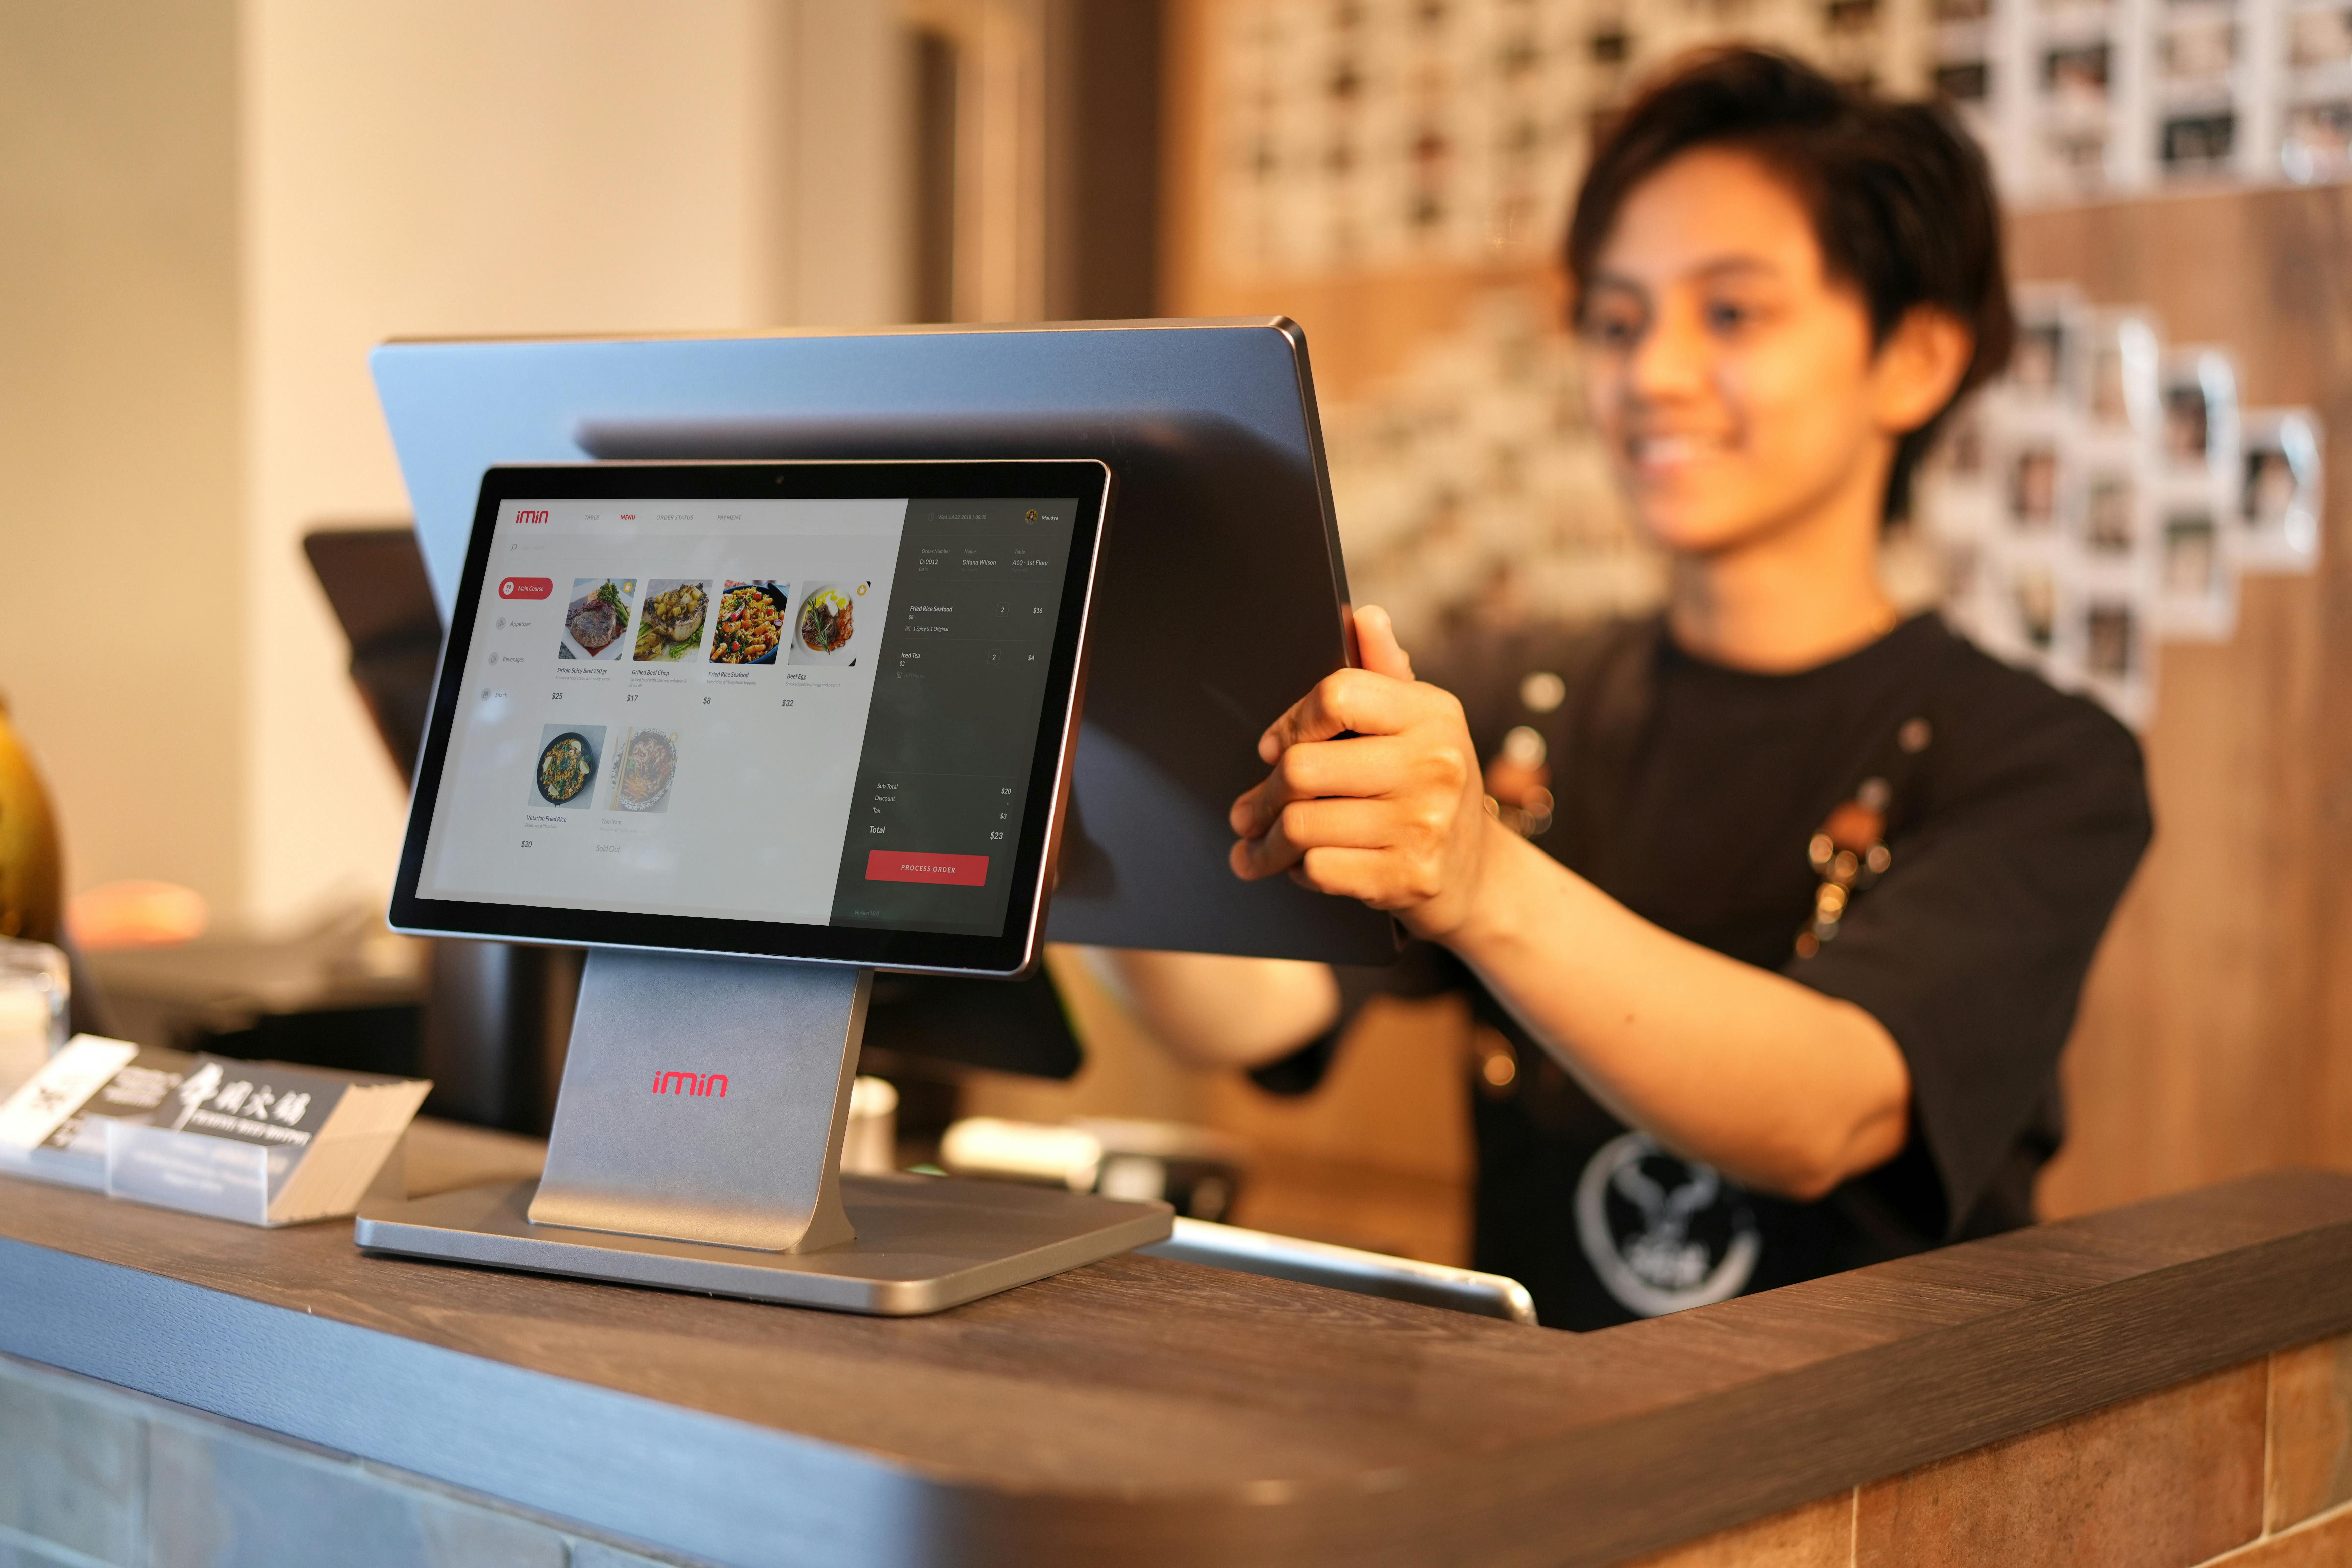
91 1474
2251 1468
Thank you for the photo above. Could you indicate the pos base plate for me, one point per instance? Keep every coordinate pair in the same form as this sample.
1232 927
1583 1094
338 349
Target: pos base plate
924 1243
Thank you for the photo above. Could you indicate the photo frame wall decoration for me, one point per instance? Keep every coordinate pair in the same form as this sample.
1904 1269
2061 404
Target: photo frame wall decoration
1965 68
1353 135
2316 141
1470 487
2205 127
2319 37
2281 500
2111 581
2197 494
2076 99
2075 136
2030 496
2110 630
2107 495
2124 355
2316 115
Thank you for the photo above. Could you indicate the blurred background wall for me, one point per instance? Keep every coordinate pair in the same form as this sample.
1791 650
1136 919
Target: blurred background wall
120 430
452 168
457 168
213 210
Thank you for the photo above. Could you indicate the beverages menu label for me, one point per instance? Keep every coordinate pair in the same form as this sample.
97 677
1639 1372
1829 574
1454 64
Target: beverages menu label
820 711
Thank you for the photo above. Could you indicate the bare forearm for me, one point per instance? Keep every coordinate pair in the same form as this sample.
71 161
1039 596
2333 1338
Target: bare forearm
1215 1011
1784 1088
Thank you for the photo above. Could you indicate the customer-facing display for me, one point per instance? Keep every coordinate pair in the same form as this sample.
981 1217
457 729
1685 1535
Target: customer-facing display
703 707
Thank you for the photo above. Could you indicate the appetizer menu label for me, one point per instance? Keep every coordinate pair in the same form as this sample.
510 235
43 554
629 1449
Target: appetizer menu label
795 710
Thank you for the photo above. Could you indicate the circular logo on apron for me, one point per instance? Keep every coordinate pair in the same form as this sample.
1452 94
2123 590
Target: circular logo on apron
1663 1233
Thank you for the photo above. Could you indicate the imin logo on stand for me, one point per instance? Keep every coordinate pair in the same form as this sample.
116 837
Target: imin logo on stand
697 1084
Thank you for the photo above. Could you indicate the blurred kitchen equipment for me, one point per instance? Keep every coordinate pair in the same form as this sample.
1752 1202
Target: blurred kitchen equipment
1197 1169
113 916
343 995
36 994
870 1146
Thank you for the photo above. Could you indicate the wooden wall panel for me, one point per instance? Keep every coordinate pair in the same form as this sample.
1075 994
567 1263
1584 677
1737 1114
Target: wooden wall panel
2216 1027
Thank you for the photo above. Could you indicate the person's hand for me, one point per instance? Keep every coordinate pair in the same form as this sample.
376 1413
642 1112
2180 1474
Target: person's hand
1393 815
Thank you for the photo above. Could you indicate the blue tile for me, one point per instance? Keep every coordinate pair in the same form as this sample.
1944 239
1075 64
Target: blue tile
71 1467
19 1554
222 1501
596 1554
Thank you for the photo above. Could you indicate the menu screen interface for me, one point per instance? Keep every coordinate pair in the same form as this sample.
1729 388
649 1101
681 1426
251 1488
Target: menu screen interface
815 712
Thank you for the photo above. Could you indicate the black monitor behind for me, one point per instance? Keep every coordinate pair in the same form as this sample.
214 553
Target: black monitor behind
498 1014
1017 1027
375 583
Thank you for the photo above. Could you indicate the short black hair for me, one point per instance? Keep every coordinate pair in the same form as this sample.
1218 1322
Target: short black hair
1902 202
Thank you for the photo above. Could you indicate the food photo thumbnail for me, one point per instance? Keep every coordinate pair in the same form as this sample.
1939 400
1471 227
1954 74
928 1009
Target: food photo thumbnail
569 756
751 618
672 624
827 626
648 766
596 622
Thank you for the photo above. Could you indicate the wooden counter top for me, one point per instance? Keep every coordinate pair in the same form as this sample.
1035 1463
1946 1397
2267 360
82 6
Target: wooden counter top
1149 1411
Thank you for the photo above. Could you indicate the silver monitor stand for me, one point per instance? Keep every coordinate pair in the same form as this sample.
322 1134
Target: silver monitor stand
696 1146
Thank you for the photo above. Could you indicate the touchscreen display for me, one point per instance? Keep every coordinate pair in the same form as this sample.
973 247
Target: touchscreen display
820 711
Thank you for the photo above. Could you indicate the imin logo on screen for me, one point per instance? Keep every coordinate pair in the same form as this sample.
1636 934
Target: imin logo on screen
522 516
696 1084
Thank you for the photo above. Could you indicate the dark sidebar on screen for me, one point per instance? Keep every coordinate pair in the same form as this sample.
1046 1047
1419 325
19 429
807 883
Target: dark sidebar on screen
943 776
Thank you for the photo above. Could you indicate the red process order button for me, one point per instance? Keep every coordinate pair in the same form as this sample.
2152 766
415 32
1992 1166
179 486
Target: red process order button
525 587
905 865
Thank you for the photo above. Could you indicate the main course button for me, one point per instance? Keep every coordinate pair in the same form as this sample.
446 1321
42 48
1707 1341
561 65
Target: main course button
904 865
526 587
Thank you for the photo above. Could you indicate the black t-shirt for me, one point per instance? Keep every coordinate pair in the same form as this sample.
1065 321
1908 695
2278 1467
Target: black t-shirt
1689 793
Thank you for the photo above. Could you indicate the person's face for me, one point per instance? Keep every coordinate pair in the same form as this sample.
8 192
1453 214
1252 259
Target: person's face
1734 383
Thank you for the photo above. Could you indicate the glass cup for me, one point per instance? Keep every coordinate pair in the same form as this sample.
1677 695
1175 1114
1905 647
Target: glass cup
35 987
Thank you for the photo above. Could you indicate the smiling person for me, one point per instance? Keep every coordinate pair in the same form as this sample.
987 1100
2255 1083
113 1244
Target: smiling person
1774 910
